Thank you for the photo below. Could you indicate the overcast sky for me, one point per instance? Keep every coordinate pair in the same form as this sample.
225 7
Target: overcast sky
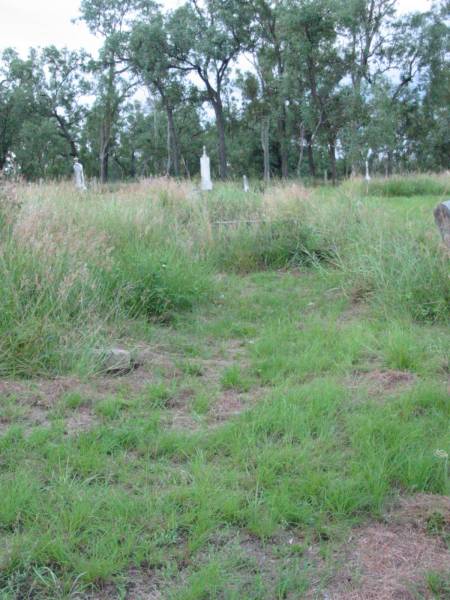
25 23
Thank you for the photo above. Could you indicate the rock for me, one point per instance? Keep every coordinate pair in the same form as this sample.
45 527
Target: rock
442 218
116 361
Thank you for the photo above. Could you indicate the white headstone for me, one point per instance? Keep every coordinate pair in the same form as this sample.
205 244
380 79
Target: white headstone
369 154
205 170
79 175
246 186
11 167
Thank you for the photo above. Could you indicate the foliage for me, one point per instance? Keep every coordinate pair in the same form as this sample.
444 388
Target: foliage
327 84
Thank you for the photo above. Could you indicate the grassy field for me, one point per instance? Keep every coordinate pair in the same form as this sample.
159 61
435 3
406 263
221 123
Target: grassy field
285 433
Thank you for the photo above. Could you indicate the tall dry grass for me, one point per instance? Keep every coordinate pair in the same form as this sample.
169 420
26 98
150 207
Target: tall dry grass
73 264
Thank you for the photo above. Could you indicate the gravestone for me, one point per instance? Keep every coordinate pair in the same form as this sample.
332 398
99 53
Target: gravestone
205 170
246 186
11 168
368 178
79 175
442 218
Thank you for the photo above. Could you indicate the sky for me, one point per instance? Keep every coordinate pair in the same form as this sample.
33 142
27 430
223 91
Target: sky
25 23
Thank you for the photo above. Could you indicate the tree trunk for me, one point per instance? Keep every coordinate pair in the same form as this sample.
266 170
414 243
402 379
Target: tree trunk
220 123
104 152
311 163
353 152
173 158
389 164
283 145
64 132
302 150
133 165
104 166
332 155
265 143
186 168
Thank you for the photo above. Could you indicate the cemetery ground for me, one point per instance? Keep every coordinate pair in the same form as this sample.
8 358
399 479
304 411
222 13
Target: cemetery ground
283 429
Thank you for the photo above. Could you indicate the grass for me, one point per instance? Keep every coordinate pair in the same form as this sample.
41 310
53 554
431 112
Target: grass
165 489
407 186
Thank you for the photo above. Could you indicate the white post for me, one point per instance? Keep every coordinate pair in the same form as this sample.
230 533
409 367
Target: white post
205 170
246 186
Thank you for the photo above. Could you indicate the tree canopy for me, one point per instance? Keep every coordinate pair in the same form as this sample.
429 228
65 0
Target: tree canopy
292 88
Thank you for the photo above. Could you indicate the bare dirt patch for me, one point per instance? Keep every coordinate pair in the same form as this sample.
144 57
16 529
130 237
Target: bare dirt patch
38 392
81 420
356 310
390 560
382 380
36 399
139 585
229 404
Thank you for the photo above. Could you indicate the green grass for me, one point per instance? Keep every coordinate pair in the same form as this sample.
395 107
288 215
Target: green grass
409 186
159 488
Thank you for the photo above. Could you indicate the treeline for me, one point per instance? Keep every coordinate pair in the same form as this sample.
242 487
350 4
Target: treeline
279 88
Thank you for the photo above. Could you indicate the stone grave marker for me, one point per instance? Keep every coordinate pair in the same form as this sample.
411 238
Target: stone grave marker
205 170
442 218
79 175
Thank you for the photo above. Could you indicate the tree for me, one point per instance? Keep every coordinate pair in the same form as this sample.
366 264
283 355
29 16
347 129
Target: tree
206 39
312 44
149 57
48 85
111 19
365 30
271 45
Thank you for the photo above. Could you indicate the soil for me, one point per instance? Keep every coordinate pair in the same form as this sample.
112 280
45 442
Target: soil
390 560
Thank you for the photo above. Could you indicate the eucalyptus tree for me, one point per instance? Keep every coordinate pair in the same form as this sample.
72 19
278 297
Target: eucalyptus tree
314 56
206 38
49 85
15 102
271 56
112 20
366 34
61 84
258 91
431 137
149 58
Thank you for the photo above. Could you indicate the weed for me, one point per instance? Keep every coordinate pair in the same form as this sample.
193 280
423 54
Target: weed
201 403
157 395
74 400
234 379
